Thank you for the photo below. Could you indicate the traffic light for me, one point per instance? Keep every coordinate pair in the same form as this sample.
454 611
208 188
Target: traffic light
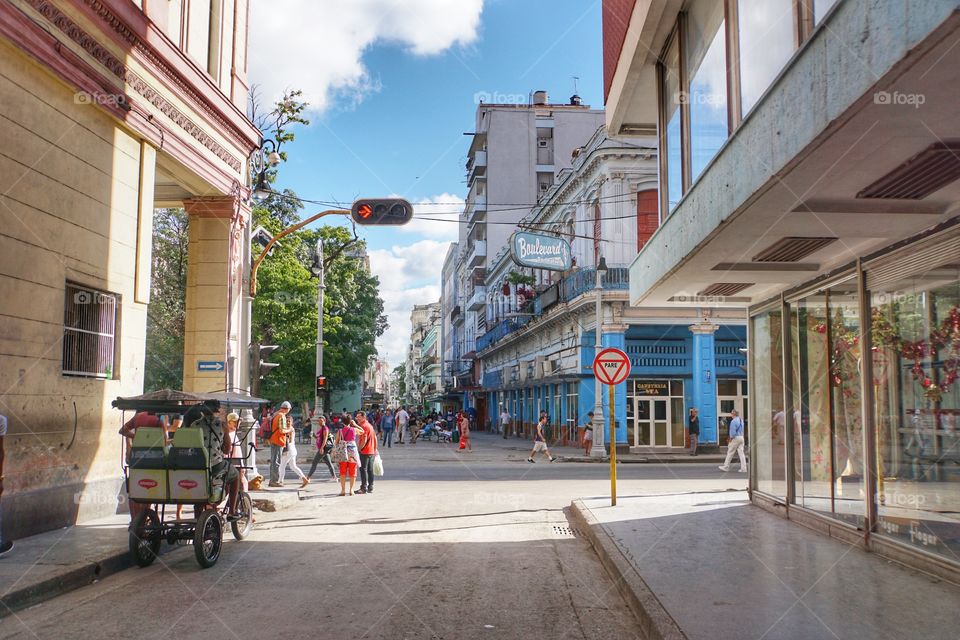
388 211
258 367
321 384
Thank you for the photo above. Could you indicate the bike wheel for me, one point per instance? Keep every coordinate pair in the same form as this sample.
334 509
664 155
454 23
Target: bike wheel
244 523
208 538
145 538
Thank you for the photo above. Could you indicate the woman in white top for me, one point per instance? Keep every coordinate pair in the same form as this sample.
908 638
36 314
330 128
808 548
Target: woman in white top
289 456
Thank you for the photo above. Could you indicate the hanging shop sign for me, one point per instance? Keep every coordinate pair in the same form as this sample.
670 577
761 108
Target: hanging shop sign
539 251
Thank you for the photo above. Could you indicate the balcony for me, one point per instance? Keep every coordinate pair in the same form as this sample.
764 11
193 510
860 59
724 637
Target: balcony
478 299
478 254
476 209
478 166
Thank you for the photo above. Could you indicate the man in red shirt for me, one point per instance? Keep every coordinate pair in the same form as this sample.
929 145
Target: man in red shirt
368 451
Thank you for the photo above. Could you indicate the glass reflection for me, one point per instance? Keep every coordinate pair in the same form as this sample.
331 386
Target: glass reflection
766 43
706 66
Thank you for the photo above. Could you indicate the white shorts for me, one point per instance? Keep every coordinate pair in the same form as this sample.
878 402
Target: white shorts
539 445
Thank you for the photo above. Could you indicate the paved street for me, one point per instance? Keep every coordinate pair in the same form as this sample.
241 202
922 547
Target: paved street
449 545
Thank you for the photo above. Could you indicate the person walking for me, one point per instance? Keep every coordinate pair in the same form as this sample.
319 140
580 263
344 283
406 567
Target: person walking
289 457
463 425
694 429
348 435
280 426
6 546
368 451
588 434
504 422
735 443
324 446
402 419
387 426
540 440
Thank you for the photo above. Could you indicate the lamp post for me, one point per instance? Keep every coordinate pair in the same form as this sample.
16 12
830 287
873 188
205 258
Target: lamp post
317 269
598 449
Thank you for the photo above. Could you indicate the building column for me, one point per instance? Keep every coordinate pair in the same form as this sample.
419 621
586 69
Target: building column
215 274
616 336
705 380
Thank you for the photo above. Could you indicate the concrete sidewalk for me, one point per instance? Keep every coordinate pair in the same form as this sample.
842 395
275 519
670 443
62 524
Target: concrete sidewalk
711 565
55 562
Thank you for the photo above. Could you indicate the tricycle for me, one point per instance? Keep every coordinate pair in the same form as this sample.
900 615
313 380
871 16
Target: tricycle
198 467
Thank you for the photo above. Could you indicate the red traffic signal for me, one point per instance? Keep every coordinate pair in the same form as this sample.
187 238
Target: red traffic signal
388 211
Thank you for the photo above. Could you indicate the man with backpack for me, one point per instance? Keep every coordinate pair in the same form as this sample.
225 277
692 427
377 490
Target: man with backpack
279 429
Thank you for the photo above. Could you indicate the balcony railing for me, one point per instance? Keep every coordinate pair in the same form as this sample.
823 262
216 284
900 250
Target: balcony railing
478 300
478 254
571 287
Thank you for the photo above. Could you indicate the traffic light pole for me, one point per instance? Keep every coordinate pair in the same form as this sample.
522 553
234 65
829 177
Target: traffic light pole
317 400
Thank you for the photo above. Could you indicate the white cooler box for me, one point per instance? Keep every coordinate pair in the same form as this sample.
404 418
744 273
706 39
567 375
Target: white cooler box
189 485
148 485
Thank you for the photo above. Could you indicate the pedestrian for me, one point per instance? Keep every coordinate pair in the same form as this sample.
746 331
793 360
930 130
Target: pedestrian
289 457
387 426
540 440
6 546
694 428
504 422
324 443
588 434
347 437
402 419
235 452
280 426
464 427
141 419
368 450
414 426
735 443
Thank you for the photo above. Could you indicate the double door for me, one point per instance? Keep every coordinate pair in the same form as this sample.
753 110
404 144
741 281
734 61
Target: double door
652 422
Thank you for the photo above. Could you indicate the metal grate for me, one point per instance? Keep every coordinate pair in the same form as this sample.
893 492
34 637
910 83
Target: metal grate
930 170
725 288
566 532
89 327
792 249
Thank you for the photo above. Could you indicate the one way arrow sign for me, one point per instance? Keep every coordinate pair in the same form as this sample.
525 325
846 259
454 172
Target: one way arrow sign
210 365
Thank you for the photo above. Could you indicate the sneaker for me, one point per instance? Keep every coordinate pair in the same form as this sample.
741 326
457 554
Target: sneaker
305 482
369 490
723 468
275 484
530 460
553 459
6 548
360 492
743 470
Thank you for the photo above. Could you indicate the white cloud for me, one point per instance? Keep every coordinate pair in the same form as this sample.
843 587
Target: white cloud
318 45
445 207
409 275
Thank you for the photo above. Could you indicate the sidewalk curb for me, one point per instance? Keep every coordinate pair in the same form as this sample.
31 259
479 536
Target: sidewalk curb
701 459
655 621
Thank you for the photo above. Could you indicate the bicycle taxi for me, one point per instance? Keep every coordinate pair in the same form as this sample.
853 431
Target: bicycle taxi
163 473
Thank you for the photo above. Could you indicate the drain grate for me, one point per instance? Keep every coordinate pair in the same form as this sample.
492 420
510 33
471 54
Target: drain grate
566 532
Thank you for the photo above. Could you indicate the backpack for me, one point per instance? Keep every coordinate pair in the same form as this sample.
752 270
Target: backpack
266 427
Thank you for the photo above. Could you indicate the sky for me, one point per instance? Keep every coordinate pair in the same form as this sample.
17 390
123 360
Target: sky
392 87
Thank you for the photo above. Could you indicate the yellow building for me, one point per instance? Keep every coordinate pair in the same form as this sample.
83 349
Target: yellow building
108 110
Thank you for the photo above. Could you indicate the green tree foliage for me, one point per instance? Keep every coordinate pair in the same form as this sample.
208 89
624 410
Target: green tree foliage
165 315
284 311
401 372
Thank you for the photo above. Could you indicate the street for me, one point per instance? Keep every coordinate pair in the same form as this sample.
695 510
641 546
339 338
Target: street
449 545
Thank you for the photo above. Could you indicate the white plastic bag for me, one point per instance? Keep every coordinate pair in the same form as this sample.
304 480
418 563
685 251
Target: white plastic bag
377 466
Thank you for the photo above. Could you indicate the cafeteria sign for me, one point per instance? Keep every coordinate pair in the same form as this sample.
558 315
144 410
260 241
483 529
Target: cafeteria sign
539 251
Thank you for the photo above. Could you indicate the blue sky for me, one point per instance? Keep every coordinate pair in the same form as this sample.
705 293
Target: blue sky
393 91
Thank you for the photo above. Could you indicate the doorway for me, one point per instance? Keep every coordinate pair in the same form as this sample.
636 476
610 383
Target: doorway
731 394
651 426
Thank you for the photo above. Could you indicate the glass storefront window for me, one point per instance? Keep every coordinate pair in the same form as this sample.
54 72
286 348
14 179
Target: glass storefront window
766 43
766 362
707 69
655 413
671 98
916 369
828 432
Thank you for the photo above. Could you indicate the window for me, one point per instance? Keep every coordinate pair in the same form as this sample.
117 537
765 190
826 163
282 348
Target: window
820 9
89 333
706 64
647 216
768 443
670 72
766 43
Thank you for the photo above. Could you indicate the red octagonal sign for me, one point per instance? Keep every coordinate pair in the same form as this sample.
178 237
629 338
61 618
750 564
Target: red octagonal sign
611 366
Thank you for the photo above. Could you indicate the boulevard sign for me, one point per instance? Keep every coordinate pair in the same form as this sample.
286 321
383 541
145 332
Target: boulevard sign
539 251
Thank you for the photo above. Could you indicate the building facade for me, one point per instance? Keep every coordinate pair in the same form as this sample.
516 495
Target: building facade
809 175
423 362
111 109
538 354
515 154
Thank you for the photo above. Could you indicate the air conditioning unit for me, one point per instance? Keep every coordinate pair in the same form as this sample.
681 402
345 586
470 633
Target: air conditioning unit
514 373
526 370
539 367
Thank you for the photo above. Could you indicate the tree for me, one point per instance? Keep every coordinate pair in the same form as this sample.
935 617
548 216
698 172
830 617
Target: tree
165 315
400 371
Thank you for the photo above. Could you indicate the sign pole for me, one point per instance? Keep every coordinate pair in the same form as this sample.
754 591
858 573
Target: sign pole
613 447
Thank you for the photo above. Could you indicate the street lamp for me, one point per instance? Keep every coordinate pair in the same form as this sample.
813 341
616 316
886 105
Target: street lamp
598 449
317 269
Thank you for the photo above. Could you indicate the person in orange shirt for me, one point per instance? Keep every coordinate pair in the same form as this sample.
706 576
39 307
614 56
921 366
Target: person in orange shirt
368 451
280 428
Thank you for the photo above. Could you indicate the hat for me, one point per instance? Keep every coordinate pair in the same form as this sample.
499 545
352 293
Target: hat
285 405
233 417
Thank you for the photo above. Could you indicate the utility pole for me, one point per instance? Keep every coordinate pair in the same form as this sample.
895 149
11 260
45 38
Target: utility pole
597 450
317 269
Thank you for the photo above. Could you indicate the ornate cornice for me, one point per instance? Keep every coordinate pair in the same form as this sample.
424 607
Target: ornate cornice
102 55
